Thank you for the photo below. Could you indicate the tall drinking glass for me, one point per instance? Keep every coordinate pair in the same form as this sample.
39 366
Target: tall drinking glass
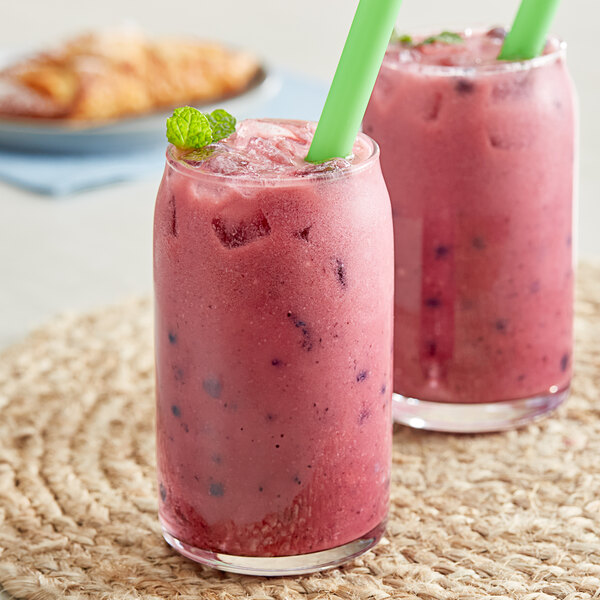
274 309
478 156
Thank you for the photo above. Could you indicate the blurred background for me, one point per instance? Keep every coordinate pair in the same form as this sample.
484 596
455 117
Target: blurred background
93 247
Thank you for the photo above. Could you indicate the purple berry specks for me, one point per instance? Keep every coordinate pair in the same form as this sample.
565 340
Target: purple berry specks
307 343
361 376
498 33
216 490
442 251
363 415
432 302
464 86
213 387
501 325
303 233
340 272
173 209
478 243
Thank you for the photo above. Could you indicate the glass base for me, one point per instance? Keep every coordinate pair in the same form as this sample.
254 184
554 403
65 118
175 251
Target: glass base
474 418
277 566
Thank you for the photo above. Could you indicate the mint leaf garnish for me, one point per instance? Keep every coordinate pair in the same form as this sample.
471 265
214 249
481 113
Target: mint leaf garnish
222 124
190 129
446 37
401 38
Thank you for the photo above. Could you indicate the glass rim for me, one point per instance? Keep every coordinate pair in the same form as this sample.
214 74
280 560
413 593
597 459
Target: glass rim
266 181
487 69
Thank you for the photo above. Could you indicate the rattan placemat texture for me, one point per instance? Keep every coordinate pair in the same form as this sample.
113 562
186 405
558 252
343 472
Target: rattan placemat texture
511 515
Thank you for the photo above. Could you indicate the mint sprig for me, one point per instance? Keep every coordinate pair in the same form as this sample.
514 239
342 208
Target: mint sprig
221 123
446 37
190 129
401 38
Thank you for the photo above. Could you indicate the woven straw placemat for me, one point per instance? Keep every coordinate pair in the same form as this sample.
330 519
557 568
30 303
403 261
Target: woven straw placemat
511 515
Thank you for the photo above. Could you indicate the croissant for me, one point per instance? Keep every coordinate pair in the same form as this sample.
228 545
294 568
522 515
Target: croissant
103 76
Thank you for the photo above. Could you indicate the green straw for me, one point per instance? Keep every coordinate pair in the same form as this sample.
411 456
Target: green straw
527 37
354 79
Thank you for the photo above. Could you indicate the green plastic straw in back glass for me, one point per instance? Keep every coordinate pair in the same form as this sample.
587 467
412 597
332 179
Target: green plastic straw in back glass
354 79
527 36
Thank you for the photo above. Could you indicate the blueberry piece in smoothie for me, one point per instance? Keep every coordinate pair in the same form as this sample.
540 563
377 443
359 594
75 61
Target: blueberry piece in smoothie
303 234
363 415
478 243
178 373
239 233
464 86
383 388
163 492
172 338
498 33
340 272
362 376
442 251
430 348
306 338
216 489
501 325
176 410
432 302
212 386
173 209
276 362
564 362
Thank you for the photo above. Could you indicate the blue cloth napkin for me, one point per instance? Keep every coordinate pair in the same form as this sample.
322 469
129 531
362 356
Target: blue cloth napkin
59 174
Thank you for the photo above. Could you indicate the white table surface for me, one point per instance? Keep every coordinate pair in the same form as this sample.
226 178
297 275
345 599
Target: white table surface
93 248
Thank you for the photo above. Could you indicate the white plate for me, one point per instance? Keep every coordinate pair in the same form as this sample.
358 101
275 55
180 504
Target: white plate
46 135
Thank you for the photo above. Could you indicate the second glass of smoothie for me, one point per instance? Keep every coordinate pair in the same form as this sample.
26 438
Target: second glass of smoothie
478 156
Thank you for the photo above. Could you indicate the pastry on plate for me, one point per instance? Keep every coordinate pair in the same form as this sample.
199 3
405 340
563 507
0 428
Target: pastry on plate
104 76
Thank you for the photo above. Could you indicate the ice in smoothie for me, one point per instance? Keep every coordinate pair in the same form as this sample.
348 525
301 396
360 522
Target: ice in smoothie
274 307
478 158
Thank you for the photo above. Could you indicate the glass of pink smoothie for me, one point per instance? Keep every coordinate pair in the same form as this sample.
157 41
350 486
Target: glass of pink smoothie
478 156
274 311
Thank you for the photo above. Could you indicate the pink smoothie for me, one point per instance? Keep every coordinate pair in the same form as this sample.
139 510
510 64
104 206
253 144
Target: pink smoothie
274 302
478 158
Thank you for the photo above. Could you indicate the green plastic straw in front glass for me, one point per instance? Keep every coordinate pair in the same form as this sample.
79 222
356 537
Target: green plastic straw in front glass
527 36
354 79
